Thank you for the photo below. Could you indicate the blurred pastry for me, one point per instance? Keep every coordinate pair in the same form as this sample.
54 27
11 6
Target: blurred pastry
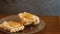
12 26
28 18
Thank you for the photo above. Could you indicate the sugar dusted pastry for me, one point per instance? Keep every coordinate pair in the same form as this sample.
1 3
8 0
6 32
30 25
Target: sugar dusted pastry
29 18
26 19
12 26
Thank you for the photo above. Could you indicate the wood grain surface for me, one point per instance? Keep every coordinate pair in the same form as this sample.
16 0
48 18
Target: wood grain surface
52 24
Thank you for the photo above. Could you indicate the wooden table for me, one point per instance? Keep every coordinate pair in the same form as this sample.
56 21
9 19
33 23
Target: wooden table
52 24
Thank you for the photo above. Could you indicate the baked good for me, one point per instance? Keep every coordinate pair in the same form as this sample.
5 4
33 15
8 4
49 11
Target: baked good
28 18
12 26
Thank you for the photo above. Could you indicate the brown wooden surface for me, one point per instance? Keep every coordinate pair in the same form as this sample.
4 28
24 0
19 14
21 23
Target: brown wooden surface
52 24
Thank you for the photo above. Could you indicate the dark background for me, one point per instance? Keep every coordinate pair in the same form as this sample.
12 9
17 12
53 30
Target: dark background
39 7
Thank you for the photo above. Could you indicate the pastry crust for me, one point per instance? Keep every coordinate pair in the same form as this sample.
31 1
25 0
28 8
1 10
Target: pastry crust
29 18
12 26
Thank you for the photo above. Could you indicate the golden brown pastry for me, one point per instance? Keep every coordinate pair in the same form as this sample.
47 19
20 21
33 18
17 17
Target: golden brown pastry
29 18
12 26
26 19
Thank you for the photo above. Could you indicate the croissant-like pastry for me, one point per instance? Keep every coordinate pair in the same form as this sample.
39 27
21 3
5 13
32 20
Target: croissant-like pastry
12 26
28 18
